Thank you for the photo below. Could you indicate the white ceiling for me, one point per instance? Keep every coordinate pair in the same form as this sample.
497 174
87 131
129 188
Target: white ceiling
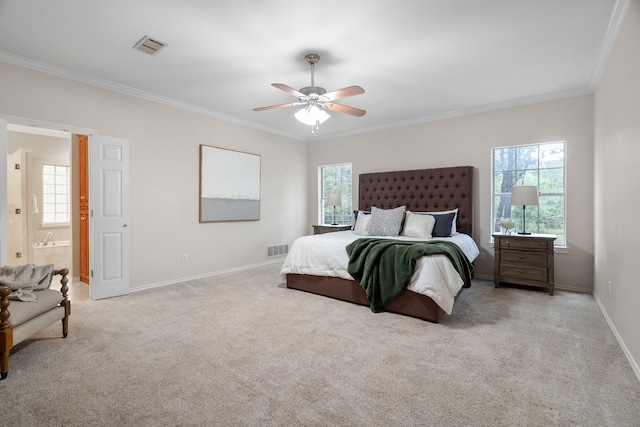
418 60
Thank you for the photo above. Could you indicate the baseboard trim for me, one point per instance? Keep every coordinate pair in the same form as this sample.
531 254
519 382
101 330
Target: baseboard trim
634 366
202 276
570 289
560 288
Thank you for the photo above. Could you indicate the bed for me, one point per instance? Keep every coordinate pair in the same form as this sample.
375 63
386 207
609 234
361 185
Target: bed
424 190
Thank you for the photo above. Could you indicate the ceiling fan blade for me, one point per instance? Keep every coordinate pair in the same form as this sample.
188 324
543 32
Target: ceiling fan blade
345 109
293 104
288 89
344 92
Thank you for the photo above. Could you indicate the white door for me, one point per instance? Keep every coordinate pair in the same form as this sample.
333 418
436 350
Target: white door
4 225
109 224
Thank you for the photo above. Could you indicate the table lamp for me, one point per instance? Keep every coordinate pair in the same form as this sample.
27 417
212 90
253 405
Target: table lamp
334 199
524 195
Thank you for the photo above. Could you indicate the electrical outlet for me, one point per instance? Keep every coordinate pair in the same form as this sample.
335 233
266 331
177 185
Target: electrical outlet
609 286
185 257
481 255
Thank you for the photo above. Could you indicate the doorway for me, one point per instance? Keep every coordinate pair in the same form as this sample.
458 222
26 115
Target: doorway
108 242
39 197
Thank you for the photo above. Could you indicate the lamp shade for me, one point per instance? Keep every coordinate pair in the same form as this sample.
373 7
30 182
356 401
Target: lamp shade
334 199
524 195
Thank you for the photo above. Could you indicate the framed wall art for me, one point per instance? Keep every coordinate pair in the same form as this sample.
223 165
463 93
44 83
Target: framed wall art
229 185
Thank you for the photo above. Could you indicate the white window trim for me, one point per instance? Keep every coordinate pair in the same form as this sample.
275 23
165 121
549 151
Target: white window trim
560 249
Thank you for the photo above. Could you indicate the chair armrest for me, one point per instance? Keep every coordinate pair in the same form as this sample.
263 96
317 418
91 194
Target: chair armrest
5 291
64 272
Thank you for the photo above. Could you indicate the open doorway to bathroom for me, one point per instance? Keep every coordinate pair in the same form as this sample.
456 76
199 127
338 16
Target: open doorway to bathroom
39 196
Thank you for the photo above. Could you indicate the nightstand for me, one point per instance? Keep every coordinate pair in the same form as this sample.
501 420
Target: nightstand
524 260
328 228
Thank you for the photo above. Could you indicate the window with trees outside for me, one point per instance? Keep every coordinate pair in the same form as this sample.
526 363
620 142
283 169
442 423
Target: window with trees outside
56 194
542 165
336 179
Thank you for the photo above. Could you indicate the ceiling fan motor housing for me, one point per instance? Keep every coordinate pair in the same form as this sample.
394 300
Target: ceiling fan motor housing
309 90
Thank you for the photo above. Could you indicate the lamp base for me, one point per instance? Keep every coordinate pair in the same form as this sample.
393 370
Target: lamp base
525 233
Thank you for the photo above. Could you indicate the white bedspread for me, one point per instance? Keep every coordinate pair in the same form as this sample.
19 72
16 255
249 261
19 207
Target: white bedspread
325 255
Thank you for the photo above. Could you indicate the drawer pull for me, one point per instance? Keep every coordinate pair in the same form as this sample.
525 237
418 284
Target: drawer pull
507 242
522 271
522 256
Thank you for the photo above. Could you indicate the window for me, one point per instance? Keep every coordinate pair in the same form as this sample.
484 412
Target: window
541 165
336 179
56 194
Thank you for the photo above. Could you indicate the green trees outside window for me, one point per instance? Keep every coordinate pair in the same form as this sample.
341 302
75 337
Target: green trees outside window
542 165
336 179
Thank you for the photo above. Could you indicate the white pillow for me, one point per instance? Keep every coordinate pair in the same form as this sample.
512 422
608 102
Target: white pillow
386 222
453 223
362 224
418 225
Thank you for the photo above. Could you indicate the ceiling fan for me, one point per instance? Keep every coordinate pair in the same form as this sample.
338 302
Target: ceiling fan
315 99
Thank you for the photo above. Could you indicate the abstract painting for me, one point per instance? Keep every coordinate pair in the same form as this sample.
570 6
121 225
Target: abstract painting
229 185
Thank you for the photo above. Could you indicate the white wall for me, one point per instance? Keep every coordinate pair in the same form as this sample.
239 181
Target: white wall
164 159
617 185
468 140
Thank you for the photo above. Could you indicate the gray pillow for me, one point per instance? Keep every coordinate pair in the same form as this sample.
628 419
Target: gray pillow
443 224
386 222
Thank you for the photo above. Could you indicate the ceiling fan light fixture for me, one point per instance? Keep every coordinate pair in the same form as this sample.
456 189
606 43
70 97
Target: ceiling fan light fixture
312 115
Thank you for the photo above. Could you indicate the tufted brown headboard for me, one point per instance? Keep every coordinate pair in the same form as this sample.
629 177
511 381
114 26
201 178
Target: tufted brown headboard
421 191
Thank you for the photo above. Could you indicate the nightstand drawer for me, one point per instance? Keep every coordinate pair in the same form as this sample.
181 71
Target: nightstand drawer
526 243
522 272
524 258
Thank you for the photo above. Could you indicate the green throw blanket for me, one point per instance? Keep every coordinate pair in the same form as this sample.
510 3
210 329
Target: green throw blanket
384 267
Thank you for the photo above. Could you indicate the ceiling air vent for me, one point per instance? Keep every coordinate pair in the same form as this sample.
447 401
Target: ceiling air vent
149 45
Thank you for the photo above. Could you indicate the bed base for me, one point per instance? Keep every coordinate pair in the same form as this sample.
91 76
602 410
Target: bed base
408 303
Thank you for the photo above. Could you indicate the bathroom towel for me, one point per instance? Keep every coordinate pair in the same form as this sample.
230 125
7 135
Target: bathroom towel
24 279
34 204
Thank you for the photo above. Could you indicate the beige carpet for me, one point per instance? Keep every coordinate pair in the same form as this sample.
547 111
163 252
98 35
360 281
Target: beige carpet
239 349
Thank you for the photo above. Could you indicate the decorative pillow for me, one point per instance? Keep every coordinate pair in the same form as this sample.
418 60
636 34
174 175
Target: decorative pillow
454 231
361 226
418 225
355 216
442 228
386 222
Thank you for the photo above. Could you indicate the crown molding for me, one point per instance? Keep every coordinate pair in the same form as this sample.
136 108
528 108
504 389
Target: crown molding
23 62
464 112
617 17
